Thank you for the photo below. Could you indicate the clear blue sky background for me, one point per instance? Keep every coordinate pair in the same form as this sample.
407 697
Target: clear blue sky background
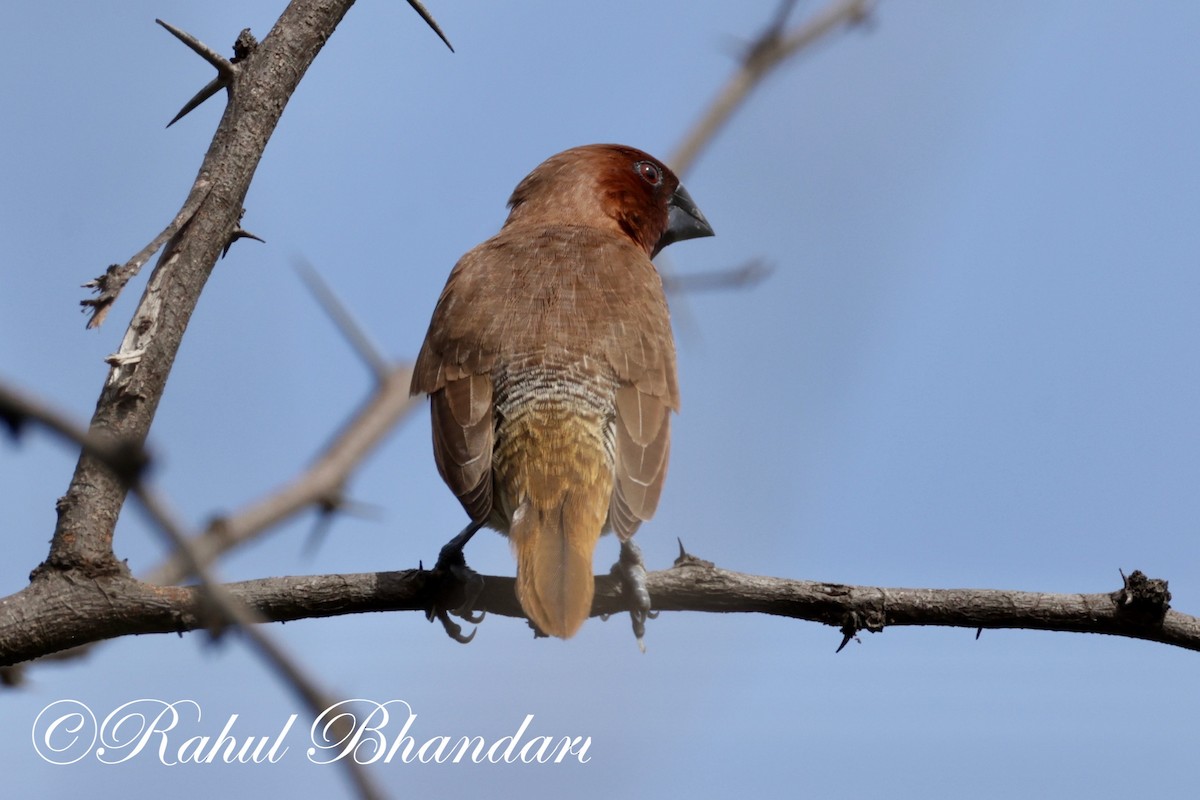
974 365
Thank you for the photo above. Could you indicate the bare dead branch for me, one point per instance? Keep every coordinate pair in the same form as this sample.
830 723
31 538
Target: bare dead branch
117 606
109 285
771 49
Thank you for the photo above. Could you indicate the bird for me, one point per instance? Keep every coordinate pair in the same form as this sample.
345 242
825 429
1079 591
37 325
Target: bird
551 373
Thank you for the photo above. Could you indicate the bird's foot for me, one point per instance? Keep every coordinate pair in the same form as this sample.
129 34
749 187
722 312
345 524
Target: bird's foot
458 587
631 572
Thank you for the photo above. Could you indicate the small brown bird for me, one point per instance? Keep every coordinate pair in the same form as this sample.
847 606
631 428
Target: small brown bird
550 367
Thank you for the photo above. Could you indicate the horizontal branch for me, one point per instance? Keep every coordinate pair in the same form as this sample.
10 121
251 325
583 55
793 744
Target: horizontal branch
56 612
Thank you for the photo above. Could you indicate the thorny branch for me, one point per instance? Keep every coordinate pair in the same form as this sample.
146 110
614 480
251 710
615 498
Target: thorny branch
121 606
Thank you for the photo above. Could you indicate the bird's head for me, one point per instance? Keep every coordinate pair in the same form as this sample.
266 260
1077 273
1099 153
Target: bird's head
611 186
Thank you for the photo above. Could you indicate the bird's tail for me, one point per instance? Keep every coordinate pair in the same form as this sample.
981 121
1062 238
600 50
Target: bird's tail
554 547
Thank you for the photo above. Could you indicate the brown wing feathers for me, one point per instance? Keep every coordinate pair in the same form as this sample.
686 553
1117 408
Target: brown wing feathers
462 435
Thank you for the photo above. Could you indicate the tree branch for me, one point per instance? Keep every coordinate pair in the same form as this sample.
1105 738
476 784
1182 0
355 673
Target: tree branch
258 92
112 606
771 49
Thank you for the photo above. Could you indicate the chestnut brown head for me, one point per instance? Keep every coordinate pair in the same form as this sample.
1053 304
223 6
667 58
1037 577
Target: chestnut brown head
612 186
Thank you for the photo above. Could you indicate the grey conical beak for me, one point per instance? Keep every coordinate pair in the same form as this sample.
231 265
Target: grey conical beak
684 221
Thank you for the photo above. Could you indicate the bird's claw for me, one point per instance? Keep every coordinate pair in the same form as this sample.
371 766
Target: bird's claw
458 589
453 629
631 572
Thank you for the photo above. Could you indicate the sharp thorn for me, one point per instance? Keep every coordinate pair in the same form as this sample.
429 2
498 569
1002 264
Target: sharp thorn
430 21
211 88
238 233
222 64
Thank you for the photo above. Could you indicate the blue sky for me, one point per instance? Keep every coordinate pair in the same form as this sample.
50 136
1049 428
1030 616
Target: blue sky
973 365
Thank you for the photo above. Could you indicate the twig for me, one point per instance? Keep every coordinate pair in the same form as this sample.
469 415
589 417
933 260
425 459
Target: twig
232 610
767 52
109 285
322 480
748 274
127 459
344 320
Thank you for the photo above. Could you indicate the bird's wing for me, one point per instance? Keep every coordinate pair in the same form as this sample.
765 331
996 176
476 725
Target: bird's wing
643 355
462 440
454 369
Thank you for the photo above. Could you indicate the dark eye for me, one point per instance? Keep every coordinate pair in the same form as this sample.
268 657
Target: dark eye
649 172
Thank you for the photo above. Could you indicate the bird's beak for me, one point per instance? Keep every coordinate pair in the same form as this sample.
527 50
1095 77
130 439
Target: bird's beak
684 221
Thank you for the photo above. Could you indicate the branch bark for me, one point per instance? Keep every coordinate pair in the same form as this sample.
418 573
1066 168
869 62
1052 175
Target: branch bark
110 606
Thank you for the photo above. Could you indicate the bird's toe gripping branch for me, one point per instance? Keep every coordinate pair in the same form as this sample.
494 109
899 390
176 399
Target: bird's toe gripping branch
630 570
458 587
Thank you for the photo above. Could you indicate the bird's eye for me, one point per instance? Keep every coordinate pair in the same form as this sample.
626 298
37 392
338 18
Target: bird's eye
650 173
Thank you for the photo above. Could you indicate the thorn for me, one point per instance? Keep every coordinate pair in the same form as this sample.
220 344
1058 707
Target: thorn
849 630
222 64
239 233
13 421
12 676
686 559
342 318
430 21
319 530
978 633
213 86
